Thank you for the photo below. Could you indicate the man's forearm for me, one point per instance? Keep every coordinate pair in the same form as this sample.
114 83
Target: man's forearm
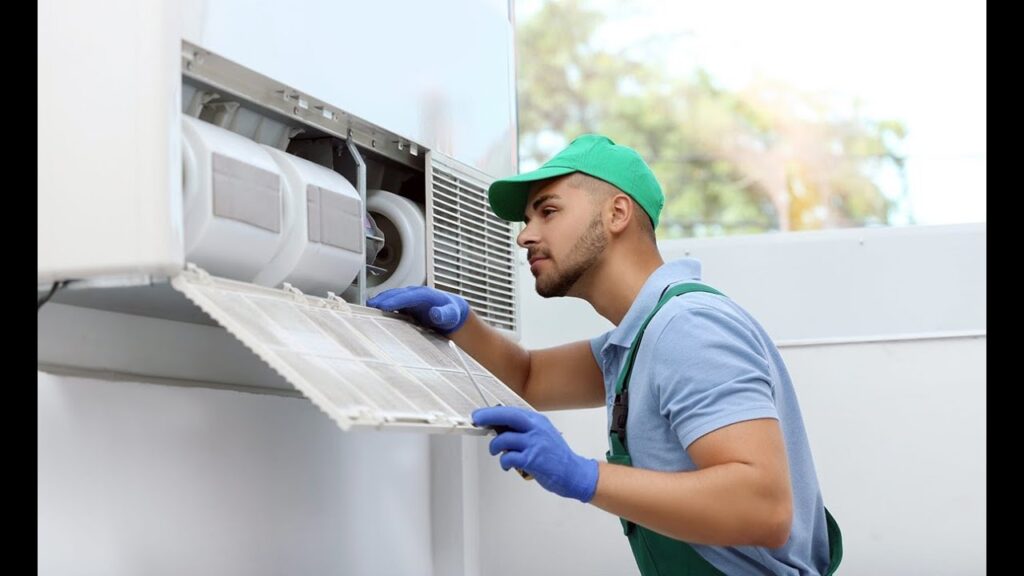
725 505
504 358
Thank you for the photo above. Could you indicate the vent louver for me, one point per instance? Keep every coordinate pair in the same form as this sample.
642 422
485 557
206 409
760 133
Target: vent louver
471 252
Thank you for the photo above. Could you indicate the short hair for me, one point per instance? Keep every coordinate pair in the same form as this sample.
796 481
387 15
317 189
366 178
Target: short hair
599 189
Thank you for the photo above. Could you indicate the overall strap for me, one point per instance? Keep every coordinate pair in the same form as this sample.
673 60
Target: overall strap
620 407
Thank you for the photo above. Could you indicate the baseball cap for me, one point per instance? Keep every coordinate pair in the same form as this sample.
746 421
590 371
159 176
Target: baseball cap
591 154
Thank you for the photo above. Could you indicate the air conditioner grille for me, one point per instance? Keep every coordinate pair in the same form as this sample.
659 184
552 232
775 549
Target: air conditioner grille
471 251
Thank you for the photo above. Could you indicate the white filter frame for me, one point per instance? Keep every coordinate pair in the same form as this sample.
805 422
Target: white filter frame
361 366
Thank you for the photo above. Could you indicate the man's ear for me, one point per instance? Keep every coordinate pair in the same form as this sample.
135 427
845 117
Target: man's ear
620 212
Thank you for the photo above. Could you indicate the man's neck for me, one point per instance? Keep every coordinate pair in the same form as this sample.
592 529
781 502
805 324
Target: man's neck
614 283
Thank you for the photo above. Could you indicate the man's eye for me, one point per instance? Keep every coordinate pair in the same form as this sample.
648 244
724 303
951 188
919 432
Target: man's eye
547 211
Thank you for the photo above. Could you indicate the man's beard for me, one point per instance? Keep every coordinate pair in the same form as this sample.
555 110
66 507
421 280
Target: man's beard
585 253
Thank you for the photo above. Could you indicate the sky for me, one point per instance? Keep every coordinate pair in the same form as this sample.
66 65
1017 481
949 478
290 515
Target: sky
923 64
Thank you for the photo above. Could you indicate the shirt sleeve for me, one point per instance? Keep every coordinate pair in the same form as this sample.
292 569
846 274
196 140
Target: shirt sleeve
597 344
709 371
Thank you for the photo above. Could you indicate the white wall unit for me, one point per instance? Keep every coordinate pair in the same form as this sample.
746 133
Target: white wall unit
109 170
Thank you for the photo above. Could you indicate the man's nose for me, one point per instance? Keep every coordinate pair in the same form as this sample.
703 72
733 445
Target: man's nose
527 236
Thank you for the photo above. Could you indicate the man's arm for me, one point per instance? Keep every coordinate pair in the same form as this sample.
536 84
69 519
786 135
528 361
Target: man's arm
561 377
713 384
740 494
714 388
556 378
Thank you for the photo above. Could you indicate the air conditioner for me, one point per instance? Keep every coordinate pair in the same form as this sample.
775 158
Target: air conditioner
191 173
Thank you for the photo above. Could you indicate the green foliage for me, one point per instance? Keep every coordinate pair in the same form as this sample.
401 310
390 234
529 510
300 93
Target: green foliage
767 157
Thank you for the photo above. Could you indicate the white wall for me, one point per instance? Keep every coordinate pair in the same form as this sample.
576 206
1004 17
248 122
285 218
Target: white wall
898 436
138 478
883 331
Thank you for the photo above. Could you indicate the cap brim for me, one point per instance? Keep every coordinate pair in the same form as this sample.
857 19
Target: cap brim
508 195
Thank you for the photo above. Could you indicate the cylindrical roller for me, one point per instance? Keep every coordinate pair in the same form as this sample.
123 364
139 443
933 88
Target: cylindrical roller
323 215
403 256
233 201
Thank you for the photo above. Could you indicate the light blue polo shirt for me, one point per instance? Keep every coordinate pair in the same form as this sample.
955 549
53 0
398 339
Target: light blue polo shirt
705 363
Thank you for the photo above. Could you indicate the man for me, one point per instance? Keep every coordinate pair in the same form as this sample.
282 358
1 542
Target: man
710 469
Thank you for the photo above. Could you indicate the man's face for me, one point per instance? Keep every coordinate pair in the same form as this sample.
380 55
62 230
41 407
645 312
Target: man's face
564 235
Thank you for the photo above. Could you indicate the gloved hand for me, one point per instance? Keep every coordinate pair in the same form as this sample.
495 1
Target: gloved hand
534 445
432 308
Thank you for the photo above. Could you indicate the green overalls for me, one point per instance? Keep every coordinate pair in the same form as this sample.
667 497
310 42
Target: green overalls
658 555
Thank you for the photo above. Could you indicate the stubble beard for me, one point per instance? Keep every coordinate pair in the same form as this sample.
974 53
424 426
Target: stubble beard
585 253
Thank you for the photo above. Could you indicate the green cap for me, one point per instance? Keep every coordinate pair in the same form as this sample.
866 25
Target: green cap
591 154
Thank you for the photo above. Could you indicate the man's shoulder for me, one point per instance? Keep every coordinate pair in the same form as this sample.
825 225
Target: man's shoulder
686 316
691 303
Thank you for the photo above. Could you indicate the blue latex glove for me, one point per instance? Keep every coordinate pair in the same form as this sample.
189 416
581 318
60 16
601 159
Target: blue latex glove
534 445
432 308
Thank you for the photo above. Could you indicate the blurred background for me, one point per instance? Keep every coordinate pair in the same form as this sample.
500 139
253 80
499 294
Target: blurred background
762 117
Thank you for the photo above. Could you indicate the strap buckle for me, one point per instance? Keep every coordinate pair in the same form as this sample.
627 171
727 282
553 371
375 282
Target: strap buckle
620 413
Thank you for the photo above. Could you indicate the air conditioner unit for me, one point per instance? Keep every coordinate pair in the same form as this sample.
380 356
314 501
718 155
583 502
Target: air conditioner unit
191 173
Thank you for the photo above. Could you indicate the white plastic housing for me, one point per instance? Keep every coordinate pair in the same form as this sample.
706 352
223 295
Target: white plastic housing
233 193
322 246
403 225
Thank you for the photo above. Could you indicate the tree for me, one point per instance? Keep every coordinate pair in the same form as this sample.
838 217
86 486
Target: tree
764 158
